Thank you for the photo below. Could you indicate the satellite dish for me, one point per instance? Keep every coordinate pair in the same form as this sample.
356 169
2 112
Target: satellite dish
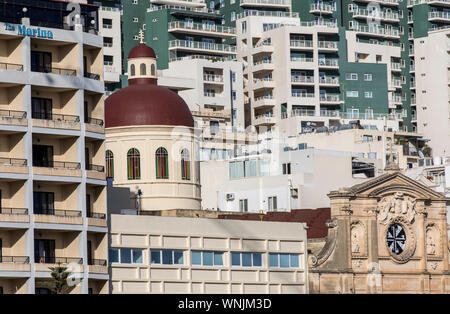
421 154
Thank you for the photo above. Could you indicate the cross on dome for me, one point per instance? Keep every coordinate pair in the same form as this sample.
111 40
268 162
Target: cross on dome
141 36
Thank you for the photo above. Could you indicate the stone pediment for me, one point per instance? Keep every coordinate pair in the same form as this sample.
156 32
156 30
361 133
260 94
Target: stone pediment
387 184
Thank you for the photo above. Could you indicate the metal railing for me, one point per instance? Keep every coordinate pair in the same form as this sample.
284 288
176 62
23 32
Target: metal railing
268 2
302 79
322 7
97 262
13 211
262 98
327 44
57 260
329 98
301 43
96 215
376 14
377 30
213 78
265 61
441 15
55 117
13 114
182 8
13 162
297 59
57 164
302 112
11 66
53 70
15 259
328 62
92 76
328 80
201 45
415 2
97 168
58 212
267 13
202 27
302 95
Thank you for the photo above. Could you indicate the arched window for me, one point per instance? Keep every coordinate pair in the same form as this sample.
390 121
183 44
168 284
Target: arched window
134 164
133 70
162 163
185 165
143 69
152 69
109 156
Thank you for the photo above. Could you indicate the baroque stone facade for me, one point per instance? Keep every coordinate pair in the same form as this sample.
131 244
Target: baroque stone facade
387 235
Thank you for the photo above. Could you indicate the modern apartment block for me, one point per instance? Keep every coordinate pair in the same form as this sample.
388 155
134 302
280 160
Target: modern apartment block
196 255
52 186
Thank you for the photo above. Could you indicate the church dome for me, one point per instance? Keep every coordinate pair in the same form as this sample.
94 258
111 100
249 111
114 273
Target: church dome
143 102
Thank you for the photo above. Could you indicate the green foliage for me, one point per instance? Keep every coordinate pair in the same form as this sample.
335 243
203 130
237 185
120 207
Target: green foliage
59 282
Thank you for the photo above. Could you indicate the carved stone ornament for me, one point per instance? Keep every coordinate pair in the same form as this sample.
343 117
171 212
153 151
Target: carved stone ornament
432 239
400 239
396 205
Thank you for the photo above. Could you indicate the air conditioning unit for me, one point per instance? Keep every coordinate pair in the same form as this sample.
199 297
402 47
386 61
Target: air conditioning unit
230 196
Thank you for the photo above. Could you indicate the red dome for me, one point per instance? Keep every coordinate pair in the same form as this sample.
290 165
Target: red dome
141 51
146 104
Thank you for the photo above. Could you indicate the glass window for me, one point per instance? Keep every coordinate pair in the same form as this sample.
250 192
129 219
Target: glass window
257 259
162 163
178 257
113 255
125 256
109 163
196 258
134 164
155 257
246 259
284 260
273 260
368 77
137 257
294 260
207 258
167 258
218 258
235 259
185 165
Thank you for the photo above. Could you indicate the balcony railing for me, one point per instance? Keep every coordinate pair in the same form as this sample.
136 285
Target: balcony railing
269 97
55 117
298 59
395 66
96 215
11 66
333 98
265 61
303 112
93 121
301 43
302 95
13 162
92 76
322 7
329 62
97 168
327 44
57 164
377 30
202 27
15 259
13 114
97 262
201 45
57 260
13 211
328 80
58 212
213 78
53 70
376 14
302 79
266 13
268 2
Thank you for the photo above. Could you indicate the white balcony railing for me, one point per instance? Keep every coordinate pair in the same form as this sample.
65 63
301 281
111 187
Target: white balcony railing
327 44
202 45
301 43
322 7
377 30
302 79
213 78
202 27
267 2
328 62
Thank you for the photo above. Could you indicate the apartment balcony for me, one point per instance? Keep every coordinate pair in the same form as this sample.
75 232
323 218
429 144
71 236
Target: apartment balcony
439 16
321 9
264 102
54 70
261 66
377 31
413 117
96 172
13 118
96 219
304 98
202 29
412 68
14 264
302 80
303 113
396 67
213 79
411 52
94 125
13 165
266 83
266 3
10 67
330 113
263 48
202 47
382 2
376 15
59 216
301 44
92 76
42 263
182 3
303 63
97 266
56 121
395 84
413 85
325 46
328 63
395 100
14 215
264 120
329 99
57 168
328 81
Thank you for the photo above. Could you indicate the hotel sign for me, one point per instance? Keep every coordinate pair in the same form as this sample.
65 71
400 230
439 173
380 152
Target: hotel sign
23 30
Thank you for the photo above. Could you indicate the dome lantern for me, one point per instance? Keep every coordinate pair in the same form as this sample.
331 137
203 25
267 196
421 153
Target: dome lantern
142 67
